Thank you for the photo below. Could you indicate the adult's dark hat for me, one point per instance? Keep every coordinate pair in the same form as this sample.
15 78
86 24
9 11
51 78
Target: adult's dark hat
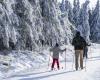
78 33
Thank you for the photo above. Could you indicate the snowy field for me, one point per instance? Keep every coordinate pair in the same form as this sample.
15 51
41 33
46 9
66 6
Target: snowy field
39 70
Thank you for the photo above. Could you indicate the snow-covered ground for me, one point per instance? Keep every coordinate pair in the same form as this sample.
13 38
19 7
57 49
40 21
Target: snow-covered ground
90 72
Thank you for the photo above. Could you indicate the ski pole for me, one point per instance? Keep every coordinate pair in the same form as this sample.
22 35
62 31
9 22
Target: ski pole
73 61
65 59
49 61
85 64
91 51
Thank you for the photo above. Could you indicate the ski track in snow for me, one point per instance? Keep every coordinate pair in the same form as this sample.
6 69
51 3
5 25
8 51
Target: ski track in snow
91 72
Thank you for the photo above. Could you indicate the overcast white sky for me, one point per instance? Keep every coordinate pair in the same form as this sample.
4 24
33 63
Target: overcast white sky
92 2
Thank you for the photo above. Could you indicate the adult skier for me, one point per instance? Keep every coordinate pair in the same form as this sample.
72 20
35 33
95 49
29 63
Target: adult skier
56 50
79 43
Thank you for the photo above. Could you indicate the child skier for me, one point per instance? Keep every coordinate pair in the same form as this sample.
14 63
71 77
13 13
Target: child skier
56 50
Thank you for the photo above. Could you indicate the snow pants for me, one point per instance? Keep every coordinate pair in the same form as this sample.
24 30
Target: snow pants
78 58
55 61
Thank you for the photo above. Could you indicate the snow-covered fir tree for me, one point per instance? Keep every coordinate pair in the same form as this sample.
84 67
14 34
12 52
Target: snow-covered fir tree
53 30
62 5
83 26
76 12
66 6
95 23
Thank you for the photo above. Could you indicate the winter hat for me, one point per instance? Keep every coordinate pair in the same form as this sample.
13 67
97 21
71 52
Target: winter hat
78 33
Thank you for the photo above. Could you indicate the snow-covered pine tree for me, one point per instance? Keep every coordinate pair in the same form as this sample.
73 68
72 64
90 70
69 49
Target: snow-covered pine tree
53 30
7 31
95 23
84 27
62 6
68 8
30 23
76 12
